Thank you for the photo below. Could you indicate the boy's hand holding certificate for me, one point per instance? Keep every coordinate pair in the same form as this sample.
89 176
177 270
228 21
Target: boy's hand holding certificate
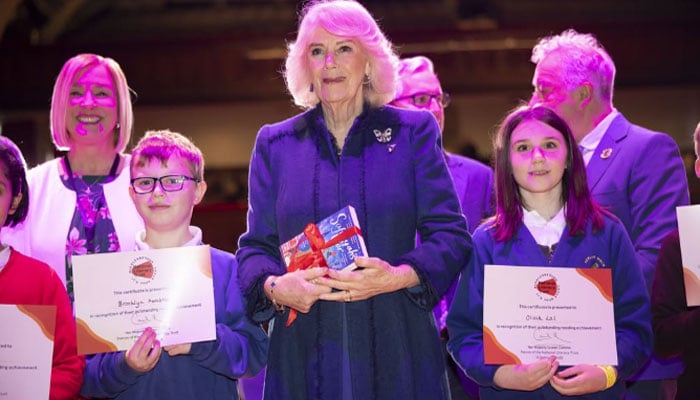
118 295
334 242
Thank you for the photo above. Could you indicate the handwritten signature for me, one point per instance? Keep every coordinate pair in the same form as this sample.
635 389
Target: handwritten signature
144 318
541 334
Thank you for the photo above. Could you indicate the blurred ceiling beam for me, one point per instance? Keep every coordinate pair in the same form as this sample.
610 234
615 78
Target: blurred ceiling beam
59 20
424 47
8 8
199 51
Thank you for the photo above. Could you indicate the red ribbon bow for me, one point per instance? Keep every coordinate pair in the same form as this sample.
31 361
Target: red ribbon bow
315 258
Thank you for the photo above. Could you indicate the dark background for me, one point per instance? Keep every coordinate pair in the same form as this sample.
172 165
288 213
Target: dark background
201 53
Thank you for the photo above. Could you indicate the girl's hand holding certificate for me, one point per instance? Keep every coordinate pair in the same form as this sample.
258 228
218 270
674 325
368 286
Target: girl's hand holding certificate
526 376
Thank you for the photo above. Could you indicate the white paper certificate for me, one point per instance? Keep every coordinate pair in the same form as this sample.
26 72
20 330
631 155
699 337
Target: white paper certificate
688 231
532 313
118 295
26 350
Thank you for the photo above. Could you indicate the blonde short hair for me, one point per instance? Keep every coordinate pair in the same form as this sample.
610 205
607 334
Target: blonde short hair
61 99
348 19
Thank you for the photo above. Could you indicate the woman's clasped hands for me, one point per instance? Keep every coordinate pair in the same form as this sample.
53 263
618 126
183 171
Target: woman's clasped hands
298 290
301 289
374 276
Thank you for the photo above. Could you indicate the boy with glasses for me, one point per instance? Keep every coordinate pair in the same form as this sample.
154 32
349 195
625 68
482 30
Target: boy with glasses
167 182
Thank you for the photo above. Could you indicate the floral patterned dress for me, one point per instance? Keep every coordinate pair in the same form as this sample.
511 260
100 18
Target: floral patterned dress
91 229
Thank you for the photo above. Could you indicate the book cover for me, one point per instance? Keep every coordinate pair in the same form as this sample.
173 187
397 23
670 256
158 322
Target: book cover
340 255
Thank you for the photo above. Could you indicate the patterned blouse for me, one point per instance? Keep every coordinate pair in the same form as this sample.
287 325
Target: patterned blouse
91 229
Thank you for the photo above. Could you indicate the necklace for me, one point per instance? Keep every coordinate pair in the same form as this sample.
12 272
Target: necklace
94 180
88 211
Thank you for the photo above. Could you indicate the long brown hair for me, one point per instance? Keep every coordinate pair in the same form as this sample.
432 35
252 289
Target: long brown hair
580 206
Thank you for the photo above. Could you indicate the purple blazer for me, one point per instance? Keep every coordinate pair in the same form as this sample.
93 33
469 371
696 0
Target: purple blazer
474 185
638 174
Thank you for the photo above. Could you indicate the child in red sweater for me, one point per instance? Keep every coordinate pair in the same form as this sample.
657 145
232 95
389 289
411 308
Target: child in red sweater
27 281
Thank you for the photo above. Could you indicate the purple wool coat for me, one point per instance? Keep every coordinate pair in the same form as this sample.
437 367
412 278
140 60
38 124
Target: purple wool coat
398 187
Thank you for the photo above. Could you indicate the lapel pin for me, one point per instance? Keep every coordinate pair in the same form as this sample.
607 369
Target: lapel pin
390 147
606 153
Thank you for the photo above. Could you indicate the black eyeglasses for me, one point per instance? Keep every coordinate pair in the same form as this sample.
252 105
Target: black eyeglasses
422 100
169 183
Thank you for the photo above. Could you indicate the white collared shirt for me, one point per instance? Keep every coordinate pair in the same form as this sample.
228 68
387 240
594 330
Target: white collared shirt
546 233
591 141
195 241
5 256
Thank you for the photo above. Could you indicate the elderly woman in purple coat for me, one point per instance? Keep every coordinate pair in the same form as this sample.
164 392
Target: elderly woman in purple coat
366 333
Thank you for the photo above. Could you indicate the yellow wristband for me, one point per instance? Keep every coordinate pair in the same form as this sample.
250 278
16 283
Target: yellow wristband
610 375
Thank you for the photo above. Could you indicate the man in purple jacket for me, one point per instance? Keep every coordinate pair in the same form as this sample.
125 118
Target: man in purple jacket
636 173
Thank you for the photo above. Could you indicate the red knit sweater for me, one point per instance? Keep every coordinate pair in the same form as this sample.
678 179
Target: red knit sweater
25 280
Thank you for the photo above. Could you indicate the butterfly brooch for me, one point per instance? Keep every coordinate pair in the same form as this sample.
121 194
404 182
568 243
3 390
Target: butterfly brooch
385 137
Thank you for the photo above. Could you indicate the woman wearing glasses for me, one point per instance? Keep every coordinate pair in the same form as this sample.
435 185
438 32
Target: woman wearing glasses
78 193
